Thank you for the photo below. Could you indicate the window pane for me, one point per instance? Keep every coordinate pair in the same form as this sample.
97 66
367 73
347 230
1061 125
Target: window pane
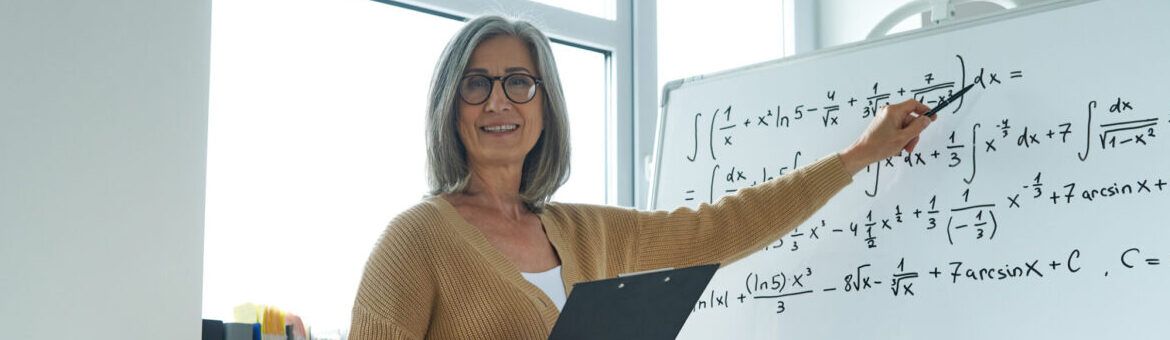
689 45
599 8
315 142
912 23
583 80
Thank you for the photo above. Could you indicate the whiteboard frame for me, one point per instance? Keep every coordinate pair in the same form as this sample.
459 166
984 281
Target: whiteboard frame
959 24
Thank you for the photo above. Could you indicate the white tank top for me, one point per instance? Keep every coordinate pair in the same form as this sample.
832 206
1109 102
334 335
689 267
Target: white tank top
549 282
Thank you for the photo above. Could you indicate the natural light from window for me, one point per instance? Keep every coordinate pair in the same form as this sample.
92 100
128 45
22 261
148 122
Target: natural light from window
599 8
315 141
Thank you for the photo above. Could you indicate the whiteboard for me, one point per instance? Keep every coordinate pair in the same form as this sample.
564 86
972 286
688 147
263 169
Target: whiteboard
1034 208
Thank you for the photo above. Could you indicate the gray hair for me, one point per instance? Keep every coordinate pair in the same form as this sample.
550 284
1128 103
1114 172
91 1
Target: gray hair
546 167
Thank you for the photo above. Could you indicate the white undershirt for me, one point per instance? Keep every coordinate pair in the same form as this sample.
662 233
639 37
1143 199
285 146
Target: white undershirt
549 282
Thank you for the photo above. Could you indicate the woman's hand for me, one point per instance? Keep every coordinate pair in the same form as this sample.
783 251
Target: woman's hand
895 128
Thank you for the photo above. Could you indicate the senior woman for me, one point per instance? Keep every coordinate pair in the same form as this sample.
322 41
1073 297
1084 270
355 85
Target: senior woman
460 263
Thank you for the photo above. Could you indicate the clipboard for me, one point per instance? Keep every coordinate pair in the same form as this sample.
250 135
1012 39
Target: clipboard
648 305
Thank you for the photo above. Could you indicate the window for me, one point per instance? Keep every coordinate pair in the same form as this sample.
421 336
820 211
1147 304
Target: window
599 8
311 148
315 140
584 82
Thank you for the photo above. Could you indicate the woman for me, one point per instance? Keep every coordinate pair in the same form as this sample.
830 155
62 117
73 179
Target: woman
451 266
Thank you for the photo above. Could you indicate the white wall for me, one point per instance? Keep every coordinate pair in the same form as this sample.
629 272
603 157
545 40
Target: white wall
845 21
103 128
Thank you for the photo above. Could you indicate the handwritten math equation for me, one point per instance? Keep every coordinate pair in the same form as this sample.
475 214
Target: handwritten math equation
965 213
898 279
1108 124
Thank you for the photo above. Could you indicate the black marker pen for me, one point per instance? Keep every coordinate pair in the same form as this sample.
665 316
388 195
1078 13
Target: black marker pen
948 101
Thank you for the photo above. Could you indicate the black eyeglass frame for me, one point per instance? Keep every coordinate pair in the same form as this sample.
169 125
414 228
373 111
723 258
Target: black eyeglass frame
536 83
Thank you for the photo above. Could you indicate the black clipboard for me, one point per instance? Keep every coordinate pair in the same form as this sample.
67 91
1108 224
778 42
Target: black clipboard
650 305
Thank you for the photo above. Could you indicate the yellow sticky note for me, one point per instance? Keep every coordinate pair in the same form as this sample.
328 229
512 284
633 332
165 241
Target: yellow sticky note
247 313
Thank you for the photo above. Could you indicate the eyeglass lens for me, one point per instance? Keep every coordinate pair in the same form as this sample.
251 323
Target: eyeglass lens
519 88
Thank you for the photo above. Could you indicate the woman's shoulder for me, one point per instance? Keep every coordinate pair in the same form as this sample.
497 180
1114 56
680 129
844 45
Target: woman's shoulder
400 274
425 212
418 225
561 208
589 214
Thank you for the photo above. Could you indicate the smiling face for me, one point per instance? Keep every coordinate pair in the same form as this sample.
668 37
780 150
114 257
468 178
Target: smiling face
499 131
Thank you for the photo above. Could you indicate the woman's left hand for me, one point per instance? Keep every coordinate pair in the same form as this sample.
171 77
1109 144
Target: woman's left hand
895 128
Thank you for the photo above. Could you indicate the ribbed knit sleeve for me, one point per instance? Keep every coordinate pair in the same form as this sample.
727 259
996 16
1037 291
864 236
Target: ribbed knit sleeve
396 294
369 326
739 224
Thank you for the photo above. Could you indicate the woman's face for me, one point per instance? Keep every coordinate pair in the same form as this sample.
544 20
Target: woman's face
500 131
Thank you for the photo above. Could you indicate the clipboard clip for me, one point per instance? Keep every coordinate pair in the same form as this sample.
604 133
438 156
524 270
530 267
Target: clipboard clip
646 272
651 271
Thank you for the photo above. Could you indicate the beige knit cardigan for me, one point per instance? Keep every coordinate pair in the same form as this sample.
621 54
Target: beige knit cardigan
432 275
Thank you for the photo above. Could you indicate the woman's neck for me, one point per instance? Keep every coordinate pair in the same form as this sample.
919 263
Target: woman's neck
496 189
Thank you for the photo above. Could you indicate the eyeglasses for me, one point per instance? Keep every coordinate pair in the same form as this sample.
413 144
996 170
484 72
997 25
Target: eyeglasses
518 87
